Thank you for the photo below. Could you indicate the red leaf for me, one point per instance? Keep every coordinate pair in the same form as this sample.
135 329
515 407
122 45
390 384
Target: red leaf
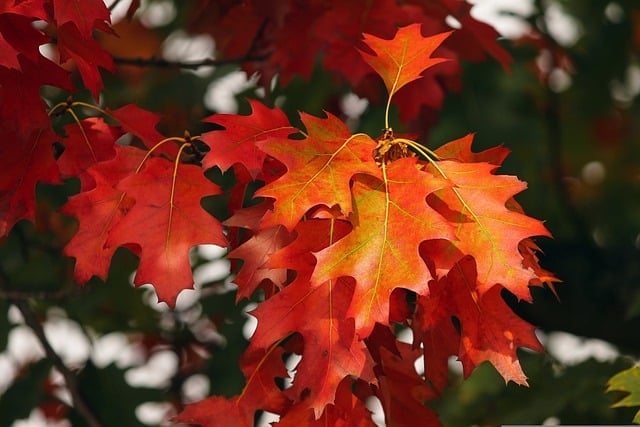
166 222
142 124
24 165
236 143
87 143
347 411
490 331
87 54
402 391
97 211
255 253
331 349
260 368
85 15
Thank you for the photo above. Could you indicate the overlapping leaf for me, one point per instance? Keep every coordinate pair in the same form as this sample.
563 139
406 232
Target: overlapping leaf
88 142
489 329
260 368
236 144
331 349
97 211
166 221
485 227
319 169
25 164
391 218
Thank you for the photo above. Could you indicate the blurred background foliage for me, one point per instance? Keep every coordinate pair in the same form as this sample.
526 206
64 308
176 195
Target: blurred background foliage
567 109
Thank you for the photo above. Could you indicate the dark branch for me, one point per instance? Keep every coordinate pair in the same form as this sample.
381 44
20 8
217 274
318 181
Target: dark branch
163 63
69 377
26 295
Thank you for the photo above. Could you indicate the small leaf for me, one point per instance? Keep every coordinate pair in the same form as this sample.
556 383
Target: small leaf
237 142
627 381
401 60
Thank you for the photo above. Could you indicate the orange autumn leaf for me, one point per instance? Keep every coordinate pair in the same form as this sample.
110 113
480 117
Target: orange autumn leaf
319 169
391 218
401 60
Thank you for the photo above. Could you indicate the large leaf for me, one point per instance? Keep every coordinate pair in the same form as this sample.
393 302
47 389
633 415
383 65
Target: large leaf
331 349
24 165
97 211
319 169
166 221
391 218
489 329
485 227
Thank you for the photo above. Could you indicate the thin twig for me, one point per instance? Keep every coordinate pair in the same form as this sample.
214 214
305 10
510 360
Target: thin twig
69 377
163 63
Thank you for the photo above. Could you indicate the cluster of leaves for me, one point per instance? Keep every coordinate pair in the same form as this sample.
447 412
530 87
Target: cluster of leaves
348 237
352 235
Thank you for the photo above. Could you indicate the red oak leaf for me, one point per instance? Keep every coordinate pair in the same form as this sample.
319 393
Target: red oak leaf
391 219
402 391
485 228
88 142
255 253
312 235
97 211
489 329
166 221
347 411
87 55
24 165
440 340
22 108
319 169
142 124
236 143
402 59
460 149
85 15
19 37
475 38
331 349
260 368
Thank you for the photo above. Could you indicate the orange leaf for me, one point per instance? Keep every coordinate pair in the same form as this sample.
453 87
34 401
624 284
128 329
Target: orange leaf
402 59
391 218
319 169
485 228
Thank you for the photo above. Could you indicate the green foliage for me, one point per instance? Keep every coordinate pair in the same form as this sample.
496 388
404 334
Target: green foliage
627 381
